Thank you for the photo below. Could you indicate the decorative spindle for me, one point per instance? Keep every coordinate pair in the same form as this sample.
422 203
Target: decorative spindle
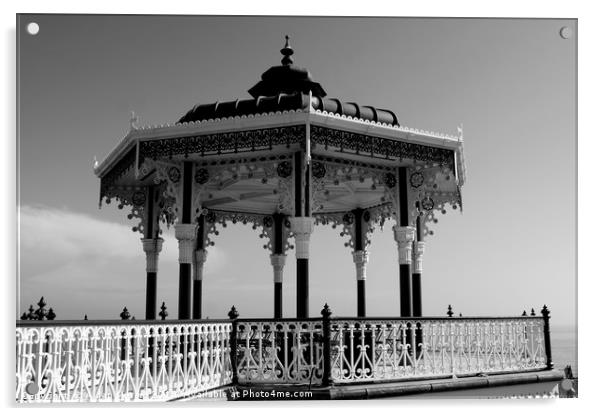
51 315
450 312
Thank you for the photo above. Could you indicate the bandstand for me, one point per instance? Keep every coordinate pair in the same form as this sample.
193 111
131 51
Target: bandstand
284 161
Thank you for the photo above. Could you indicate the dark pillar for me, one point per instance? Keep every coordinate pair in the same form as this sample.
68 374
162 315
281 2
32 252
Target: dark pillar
417 275
360 258
302 226
361 298
405 287
277 300
278 259
200 257
184 291
404 235
151 244
151 296
186 235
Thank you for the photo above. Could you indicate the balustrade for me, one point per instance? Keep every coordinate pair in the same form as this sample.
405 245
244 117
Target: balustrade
120 362
139 360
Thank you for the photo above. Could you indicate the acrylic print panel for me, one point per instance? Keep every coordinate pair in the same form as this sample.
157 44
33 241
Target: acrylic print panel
292 207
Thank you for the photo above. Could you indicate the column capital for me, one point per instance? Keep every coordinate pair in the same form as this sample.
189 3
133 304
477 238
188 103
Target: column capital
186 235
360 258
152 247
278 261
404 234
302 227
405 237
185 231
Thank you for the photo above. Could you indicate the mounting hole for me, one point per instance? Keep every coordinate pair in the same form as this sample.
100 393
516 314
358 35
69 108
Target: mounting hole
566 32
33 28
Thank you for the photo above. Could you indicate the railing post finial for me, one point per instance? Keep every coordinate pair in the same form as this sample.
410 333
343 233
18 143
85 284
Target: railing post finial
450 312
124 315
326 312
233 314
545 312
163 314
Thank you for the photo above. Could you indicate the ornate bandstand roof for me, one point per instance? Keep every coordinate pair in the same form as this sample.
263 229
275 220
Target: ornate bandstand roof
287 88
242 150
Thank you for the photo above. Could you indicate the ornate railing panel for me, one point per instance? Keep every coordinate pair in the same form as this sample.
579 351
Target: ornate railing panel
120 362
397 349
279 351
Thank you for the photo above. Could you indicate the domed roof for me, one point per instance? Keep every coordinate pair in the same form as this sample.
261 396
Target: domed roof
284 88
286 78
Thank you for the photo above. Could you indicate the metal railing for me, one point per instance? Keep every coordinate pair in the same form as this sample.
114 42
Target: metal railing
279 351
145 360
399 349
109 361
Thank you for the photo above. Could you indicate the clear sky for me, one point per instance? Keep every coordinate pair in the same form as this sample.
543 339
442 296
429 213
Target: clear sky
511 83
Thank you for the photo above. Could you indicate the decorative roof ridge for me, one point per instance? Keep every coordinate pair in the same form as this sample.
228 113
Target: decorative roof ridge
404 129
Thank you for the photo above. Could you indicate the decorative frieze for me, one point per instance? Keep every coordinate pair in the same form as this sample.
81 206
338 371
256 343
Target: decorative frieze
278 261
405 237
302 227
186 236
360 258
222 143
152 248
378 147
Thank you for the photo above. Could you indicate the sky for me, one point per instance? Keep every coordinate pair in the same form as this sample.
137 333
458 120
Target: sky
511 83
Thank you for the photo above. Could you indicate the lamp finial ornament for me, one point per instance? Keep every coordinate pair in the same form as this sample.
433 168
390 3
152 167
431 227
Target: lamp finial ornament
133 121
287 51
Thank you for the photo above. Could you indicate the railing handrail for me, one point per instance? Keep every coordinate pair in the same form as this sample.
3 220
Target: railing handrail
432 318
117 322
277 320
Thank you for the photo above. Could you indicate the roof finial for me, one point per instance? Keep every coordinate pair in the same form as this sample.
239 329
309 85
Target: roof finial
133 121
287 51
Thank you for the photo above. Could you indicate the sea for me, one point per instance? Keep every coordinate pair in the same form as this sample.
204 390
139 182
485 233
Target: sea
564 347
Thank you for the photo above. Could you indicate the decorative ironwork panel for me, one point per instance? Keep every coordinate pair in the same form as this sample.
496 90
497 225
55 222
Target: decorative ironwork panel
126 362
348 142
378 350
120 169
222 143
279 352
